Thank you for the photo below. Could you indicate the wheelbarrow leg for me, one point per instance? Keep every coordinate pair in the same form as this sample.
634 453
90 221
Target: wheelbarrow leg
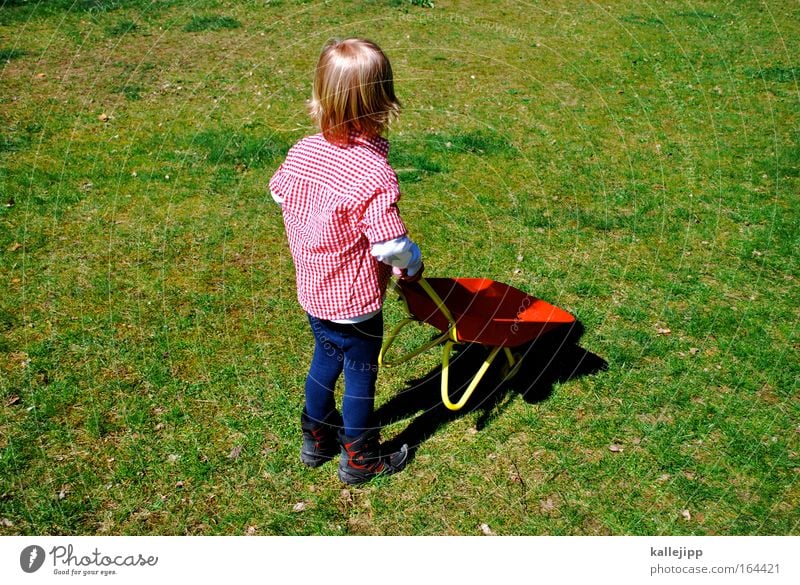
511 370
512 367
472 385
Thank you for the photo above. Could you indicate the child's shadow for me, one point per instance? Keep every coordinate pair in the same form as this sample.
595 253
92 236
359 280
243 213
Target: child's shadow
552 358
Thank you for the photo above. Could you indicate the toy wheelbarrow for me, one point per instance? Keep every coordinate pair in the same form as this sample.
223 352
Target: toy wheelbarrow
473 310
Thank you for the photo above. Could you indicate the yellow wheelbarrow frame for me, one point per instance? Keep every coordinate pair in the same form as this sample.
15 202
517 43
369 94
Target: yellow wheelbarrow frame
450 338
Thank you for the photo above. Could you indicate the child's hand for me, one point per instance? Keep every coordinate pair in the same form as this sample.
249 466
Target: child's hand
402 273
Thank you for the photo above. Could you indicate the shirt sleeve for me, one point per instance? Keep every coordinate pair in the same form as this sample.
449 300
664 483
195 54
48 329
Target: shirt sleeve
400 253
276 186
381 220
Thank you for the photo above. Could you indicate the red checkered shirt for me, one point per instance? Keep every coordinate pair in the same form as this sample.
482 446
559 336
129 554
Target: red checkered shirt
337 201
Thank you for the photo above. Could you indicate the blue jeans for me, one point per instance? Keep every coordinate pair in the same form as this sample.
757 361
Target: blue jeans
352 348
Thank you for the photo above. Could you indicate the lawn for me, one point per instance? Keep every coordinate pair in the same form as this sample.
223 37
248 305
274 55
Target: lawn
634 163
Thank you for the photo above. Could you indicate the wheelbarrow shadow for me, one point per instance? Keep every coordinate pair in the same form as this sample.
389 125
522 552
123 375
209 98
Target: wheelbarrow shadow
550 359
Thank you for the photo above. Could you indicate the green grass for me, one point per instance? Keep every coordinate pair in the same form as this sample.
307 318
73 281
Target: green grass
211 23
9 54
635 165
123 27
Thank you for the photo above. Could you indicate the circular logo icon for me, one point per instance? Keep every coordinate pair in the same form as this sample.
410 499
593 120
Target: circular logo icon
31 558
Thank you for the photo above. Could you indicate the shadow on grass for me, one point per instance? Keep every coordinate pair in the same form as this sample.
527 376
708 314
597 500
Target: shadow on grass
553 358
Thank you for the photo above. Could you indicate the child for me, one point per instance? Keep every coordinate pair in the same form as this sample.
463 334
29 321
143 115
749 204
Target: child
339 196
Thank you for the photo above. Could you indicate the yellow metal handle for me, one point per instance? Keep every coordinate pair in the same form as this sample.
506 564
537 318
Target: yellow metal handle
453 334
390 339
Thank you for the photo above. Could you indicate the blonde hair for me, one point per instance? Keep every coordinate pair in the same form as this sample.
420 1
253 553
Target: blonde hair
353 90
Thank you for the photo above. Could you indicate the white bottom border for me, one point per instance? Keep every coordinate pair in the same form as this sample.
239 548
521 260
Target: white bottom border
390 560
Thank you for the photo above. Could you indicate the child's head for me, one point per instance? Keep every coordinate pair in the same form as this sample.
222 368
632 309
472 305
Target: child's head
353 90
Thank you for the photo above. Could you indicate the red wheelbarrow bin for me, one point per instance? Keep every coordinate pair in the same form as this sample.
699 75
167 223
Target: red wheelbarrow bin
473 310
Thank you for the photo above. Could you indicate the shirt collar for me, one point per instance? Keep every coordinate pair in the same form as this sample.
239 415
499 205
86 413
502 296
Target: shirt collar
377 143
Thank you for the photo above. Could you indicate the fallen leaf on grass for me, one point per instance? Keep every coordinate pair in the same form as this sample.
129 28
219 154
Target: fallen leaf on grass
663 477
686 515
13 399
699 517
547 505
14 247
299 507
486 530
663 331
615 448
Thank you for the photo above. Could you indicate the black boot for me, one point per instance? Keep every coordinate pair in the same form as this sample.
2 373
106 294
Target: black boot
361 458
320 443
